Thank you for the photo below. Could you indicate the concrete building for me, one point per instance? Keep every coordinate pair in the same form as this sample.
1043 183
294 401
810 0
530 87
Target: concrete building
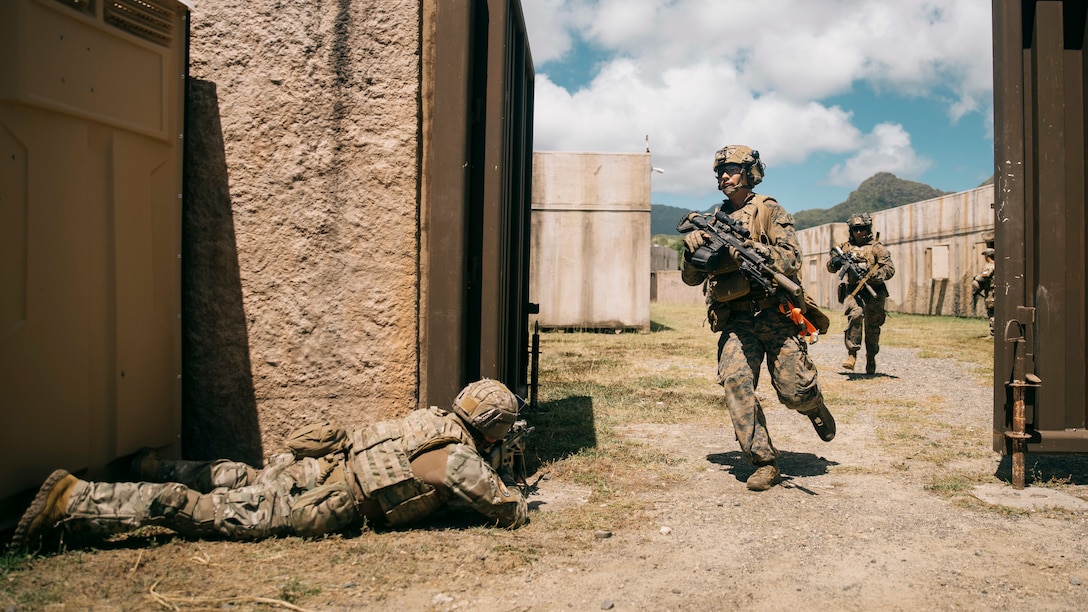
591 240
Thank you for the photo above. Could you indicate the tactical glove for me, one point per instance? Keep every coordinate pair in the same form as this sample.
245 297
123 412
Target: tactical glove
694 240
837 261
763 250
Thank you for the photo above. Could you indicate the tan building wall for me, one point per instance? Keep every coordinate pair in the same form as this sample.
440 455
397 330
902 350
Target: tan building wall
590 264
338 229
936 246
90 235
667 287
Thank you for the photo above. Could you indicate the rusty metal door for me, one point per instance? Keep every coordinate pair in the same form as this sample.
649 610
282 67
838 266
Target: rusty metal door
1040 162
476 203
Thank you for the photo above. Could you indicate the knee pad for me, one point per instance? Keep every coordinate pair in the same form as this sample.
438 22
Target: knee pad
326 509
173 500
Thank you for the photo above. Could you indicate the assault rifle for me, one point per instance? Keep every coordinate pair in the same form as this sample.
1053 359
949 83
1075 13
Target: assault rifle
981 287
850 265
728 238
507 456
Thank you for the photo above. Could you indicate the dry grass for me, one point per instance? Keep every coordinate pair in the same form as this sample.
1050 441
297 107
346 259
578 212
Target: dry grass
591 386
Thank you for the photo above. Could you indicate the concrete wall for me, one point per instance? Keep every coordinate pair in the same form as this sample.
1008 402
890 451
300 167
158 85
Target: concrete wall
663 258
590 264
936 246
666 287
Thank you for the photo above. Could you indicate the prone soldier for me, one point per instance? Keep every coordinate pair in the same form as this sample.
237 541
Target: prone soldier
393 472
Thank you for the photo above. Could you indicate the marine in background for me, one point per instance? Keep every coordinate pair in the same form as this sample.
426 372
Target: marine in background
983 284
863 265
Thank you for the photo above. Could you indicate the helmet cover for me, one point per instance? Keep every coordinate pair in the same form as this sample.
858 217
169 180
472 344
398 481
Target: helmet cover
488 407
744 156
860 220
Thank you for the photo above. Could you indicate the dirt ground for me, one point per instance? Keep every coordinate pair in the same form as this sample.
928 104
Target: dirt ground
868 521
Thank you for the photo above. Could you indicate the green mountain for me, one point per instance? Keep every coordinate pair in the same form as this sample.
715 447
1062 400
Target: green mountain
663 219
881 191
878 192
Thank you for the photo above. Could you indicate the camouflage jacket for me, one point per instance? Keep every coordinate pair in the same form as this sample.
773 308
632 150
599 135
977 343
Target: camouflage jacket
383 460
873 254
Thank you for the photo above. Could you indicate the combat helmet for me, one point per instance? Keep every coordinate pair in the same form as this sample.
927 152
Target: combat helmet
746 157
860 220
488 407
988 253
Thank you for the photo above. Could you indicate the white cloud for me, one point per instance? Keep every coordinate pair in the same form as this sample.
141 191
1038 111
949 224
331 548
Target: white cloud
697 74
551 25
688 113
886 149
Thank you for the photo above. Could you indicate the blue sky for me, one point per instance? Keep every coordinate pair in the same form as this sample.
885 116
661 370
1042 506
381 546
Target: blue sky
829 91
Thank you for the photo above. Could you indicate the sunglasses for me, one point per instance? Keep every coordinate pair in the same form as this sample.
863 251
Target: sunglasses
728 169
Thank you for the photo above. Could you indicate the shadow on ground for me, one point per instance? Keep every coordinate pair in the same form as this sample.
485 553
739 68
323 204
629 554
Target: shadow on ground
563 427
792 465
1039 469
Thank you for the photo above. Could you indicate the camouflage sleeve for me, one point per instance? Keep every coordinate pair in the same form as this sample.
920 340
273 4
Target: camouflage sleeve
785 251
884 260
473 481
689 274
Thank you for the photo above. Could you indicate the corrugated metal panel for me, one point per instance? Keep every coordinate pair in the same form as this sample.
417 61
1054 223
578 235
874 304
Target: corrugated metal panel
1040 165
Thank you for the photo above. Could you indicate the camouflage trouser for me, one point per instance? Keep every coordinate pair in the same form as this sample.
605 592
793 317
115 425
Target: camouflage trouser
744 342
220 498
868 313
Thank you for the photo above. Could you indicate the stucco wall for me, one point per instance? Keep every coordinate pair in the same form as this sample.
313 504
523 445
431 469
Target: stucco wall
318 108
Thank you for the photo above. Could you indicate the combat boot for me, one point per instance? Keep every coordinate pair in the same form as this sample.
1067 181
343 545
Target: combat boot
870 364
823 423
765 477
48 509
848 363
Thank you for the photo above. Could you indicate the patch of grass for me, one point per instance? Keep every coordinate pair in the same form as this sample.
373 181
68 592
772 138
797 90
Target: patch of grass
13 560
963 339
594 382
295 590
948 482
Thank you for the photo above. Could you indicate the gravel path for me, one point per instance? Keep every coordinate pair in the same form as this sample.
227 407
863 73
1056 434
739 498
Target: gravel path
853 527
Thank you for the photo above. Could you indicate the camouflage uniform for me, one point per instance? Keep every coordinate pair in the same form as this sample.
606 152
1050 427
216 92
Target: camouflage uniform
983 284
394 472
863 311
752 328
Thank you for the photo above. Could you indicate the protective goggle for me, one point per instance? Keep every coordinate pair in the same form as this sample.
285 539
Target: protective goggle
728 169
